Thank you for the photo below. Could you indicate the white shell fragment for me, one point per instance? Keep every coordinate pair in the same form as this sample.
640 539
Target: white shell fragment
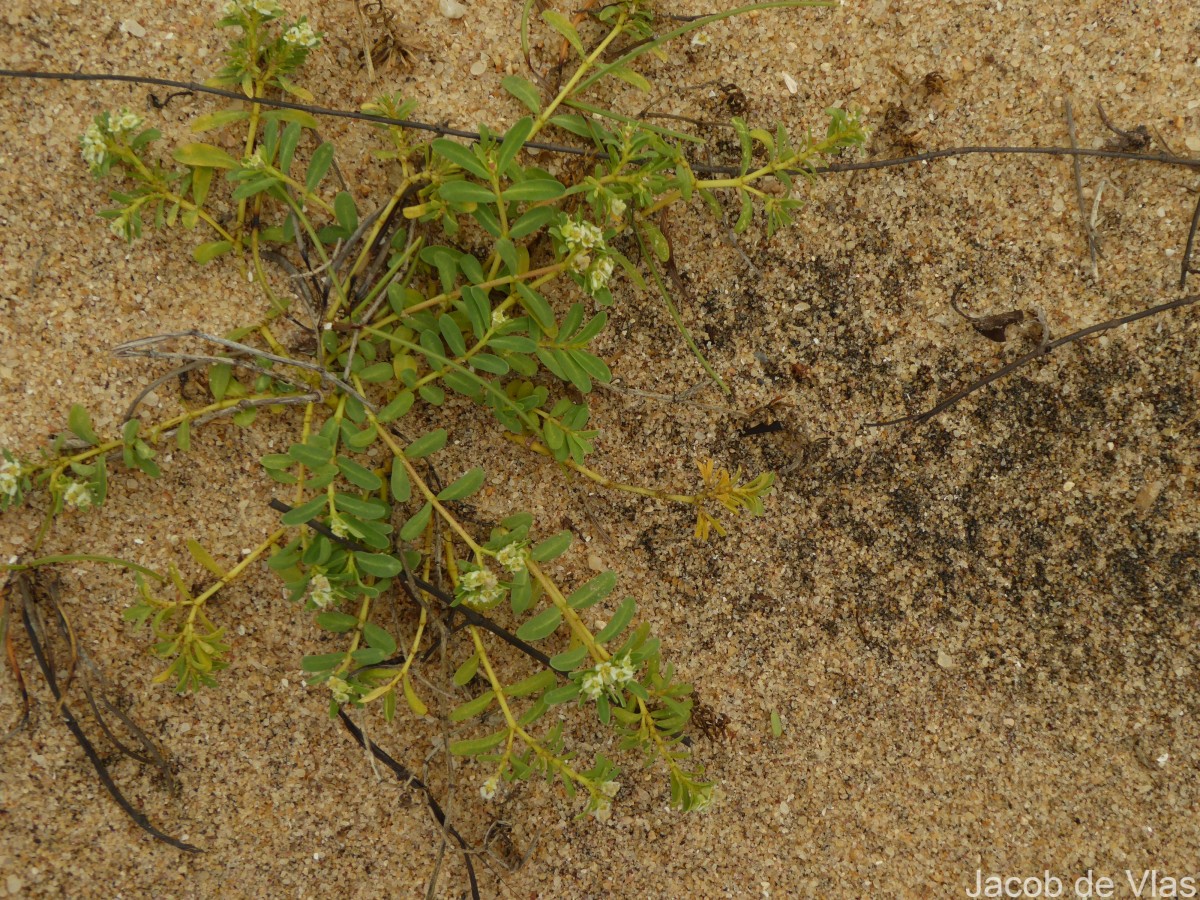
792 86
452 9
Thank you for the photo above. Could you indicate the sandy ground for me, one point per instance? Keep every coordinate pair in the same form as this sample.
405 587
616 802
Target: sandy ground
980 633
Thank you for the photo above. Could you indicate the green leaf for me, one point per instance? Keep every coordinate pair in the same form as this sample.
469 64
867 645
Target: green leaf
287 146
524 91
368 510
381 565
479 311
540 626
305 511
747 214
401 486
512 144
321 160
466 192
629 76
294 89
561 694
538 307
399 405
569 659
379 638
358 475
321 662
472 708
467 670
299 116
617 623
201 182
345 212
452 335
337 622
535 683
218 119
486 362
478 746
368 656
377 373
205 155
414 526
462 157
313 457
655 238
534 189
532 220
552 547
593 591
507 251
80 424
426 444
203 557
464 486
219 378
210 250
563 26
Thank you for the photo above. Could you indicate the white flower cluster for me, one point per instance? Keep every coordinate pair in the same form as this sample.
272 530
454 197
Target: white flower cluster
614 673
488 789
512 557
10 478
480 589
581 235
322 592
94 141
93 146
268 9
581 239
600 805
78 495
301 35
340 689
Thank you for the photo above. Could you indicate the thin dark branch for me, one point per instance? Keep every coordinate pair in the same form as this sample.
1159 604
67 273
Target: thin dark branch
1186 267
1042 350
1076 171
39 652
410 778
1164 159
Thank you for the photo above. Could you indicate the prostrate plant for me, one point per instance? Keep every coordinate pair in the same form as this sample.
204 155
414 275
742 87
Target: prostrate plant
397 317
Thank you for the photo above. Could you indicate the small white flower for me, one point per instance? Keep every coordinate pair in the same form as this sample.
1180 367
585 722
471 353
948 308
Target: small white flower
78 495
582 234
599 274
339 688
622 671
93 146
268 9
600 806
701 39
488 789
592 686
120 227
9 486
580 262
322 591
124 122
512 557
302 35
498 318
480 589
616 208
255 160
338 526
610 789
